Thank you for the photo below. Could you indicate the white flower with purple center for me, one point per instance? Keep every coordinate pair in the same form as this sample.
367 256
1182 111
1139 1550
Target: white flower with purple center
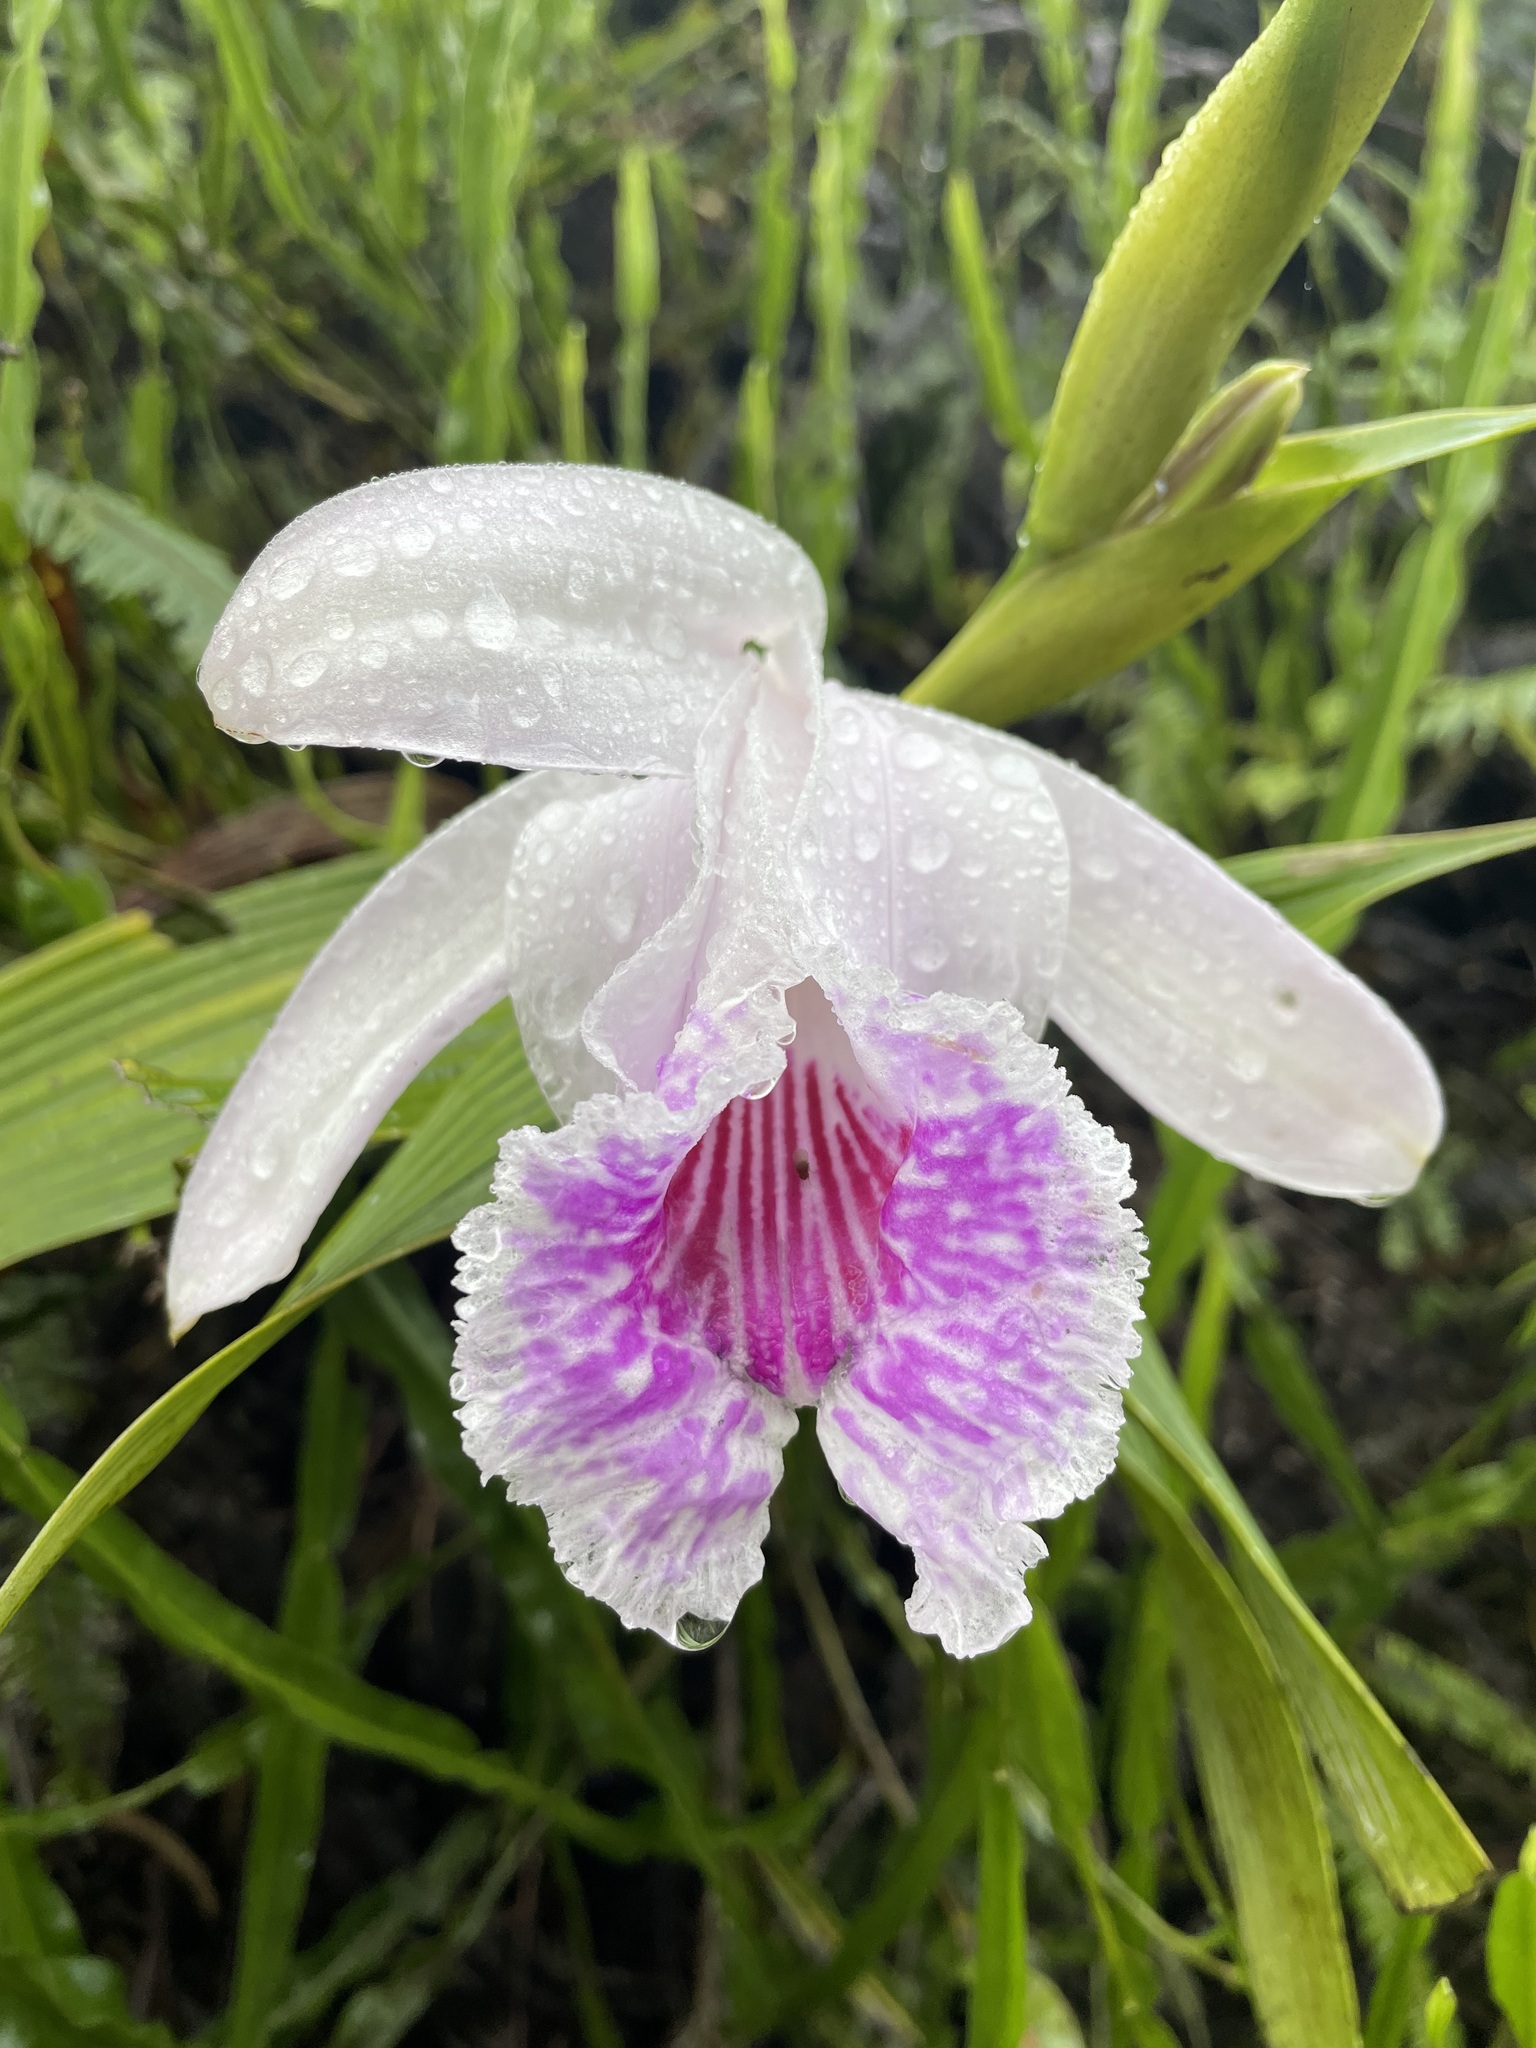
780 952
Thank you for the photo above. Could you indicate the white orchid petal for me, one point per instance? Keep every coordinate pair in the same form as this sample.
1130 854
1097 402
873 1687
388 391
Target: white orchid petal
422 955
592 885
613 908
1220 1018
941 855
538 615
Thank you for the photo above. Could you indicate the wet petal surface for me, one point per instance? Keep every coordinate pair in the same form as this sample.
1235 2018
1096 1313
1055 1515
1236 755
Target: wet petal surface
537 614
422 955
986 1392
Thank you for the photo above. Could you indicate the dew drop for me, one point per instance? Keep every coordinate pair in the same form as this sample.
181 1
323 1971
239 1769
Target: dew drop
357 559
429 625
490 624
305 669
928 955
414 541
867 843
698 1631
1249 1063
918 750
423 760
1101 867
667 637
290 577
928 848
1013 771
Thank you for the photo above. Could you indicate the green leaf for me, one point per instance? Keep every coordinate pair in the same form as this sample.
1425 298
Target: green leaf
1259 1789
86 1151
423 1191
1000 1991
1000 1994
1440 2025
371 1931
1280 1365
984 319
1440 1697
1050 1728
1230 201
911 1874
1323 888
1049 2021
1393 1994
637 299
1512 1947
290 1773
191 1617
1050 627
70 2002
117 548
1423 1850
1428 585
26 113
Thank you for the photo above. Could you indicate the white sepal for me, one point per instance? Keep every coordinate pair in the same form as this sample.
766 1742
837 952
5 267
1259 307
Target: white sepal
420 957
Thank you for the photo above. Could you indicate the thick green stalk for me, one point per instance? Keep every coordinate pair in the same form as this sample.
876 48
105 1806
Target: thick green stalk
1230 201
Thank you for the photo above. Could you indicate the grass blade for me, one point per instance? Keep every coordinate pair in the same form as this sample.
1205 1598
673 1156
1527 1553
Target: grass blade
1259 1790
1416 1839
426 1188
290 1772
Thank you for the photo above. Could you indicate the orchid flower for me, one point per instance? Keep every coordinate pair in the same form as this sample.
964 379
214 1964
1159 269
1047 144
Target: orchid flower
781 952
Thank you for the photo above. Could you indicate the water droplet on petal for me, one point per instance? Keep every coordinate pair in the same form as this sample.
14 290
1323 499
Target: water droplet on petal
697 1632
1249 1063
1014 771
305 669
414 541
928 848
867 843
423 760
490 624
290 577
928 954
356 559
918 750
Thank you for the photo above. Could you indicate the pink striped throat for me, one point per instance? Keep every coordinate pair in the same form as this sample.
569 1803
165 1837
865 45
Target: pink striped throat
772 1221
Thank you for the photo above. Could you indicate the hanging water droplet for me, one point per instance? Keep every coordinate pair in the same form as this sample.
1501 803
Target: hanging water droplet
423 760
697 1632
